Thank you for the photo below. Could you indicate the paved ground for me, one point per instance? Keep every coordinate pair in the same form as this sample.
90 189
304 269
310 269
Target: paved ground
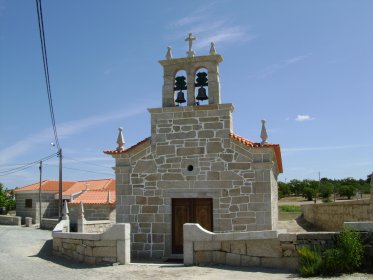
25 253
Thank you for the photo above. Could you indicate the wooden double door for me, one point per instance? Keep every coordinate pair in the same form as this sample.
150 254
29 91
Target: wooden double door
189 210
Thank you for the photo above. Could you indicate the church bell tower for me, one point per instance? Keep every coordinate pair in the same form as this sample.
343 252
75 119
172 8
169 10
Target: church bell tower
202 72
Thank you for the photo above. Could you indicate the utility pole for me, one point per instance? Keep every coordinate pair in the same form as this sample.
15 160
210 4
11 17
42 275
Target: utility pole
60 205
316 193
40 172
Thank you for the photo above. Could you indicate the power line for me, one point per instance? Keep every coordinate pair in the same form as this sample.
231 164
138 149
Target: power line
46 68
25 166
88 163
87 171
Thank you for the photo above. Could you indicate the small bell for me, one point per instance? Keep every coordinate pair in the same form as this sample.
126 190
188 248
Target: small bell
180 97
201 94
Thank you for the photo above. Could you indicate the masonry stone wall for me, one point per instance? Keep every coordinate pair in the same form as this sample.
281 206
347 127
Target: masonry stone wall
331 216
49 205
191 155
270 249
10 220
112 246
48 224
97 226
93 212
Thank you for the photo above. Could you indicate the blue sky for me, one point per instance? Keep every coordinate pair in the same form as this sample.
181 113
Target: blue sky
304 66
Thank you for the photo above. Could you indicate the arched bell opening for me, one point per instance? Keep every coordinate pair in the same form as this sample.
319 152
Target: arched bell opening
180 87
201 86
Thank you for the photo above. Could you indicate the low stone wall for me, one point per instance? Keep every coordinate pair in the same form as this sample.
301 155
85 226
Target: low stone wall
271 249
48 223
331 216
10 220
112 246
95 226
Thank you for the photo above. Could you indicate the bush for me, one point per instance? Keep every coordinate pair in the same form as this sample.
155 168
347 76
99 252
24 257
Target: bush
310 261
332 259
349 242
346 257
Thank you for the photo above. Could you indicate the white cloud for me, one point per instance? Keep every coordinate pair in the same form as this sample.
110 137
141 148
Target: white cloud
225 34
275 67
207 29
187 21
65 130
303 118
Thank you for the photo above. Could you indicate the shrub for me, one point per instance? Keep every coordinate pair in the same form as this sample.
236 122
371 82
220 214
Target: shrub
349 242
332 259
346 257
310 261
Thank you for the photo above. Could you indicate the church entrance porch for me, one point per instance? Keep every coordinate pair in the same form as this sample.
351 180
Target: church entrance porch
189 210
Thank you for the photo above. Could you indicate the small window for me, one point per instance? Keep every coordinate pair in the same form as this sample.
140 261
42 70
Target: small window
28 203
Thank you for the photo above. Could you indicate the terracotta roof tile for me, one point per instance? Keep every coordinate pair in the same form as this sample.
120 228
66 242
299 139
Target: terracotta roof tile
71 187
47 185
251 144
95 197
102 184
113 152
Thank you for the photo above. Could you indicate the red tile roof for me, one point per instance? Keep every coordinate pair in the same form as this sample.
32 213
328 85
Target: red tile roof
103 184
113 152
251 144
47 185
92 191
95 197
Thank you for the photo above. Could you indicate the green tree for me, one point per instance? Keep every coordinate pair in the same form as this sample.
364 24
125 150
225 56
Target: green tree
296 187
309 193
6 198
346 190
283 190
326 190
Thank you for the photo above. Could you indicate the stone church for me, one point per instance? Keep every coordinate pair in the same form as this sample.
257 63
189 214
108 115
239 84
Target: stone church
193 167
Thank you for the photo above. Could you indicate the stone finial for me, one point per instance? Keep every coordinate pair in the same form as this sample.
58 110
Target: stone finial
65 211
190 40
263 133
212 48
120 140
169 53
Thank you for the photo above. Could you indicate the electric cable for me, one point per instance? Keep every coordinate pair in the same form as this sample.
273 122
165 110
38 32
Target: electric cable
46 69
88 163
77 169
25 166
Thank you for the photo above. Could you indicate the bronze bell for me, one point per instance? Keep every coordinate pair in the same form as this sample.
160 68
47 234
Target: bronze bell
180 97
202 94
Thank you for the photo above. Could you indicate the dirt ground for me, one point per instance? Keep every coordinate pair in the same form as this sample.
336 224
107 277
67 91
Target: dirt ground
25 253
299 200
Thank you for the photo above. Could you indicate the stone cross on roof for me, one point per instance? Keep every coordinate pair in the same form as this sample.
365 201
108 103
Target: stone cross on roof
190 39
